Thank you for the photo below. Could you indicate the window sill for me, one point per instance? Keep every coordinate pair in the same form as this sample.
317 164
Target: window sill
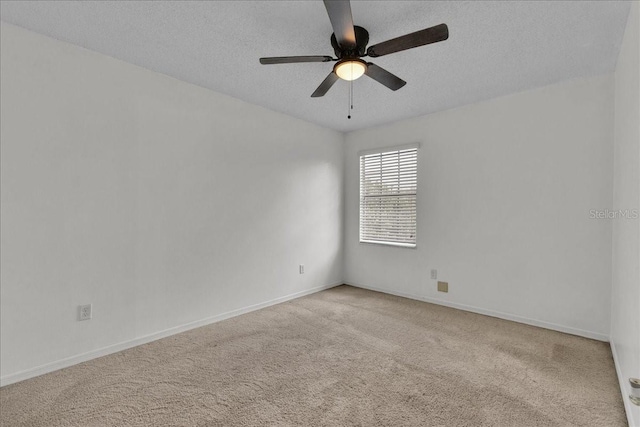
393 244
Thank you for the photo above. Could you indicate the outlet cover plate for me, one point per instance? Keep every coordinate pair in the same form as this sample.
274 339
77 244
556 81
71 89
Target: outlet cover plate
84 312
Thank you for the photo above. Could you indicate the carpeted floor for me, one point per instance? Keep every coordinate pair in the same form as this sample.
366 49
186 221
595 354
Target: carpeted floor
344 356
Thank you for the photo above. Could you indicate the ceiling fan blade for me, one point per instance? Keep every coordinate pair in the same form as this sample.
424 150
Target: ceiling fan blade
325 85
381 75
294 59
342 22
409 41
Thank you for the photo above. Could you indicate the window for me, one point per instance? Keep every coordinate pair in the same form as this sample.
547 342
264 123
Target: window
388 187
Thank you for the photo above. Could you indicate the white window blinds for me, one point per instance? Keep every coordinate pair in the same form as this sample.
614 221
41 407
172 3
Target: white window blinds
388 187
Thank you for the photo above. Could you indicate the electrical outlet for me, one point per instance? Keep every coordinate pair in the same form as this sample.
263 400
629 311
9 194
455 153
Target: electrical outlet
443 286
301 269
434 274
84 312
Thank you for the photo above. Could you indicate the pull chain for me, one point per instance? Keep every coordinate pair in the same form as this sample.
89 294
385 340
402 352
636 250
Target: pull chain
350 95
350 99
348 108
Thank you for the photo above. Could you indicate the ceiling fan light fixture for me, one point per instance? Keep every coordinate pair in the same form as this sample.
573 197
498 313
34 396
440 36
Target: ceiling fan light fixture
350 69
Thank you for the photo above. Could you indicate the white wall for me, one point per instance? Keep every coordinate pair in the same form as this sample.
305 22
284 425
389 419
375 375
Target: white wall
625 317
159 202
505 189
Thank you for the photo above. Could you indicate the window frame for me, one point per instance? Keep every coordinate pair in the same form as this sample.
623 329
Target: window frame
381 150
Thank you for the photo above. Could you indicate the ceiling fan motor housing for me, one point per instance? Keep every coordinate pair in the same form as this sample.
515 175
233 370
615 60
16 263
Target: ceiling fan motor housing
362 39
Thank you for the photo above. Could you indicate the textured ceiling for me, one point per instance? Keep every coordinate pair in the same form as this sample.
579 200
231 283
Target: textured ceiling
494 48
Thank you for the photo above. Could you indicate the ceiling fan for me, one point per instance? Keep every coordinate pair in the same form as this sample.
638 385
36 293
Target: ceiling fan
350 46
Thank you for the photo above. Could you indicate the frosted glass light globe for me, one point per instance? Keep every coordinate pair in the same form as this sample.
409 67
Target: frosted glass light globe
350 69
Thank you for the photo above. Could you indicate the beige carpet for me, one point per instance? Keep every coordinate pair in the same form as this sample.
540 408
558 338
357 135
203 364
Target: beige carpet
344 356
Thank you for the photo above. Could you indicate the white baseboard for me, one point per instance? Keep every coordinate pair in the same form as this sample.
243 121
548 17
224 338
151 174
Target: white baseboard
73 360
623 388
507 316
